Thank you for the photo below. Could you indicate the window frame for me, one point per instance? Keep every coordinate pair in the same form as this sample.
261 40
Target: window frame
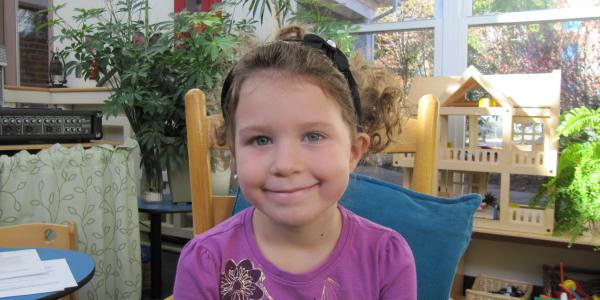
2 43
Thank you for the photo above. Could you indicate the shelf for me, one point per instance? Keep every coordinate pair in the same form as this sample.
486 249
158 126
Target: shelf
57 90
501 234
46 146
55 96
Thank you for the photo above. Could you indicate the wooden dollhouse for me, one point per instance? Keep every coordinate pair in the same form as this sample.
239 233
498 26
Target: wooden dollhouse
519 114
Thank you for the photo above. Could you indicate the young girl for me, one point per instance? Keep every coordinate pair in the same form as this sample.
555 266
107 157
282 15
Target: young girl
293 118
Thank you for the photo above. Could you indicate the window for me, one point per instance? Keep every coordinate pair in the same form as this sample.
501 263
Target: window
489 132
26 47
407 53
527 133
33 47
400 35
571 46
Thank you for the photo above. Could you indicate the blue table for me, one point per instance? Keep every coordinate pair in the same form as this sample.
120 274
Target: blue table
82 266
156 209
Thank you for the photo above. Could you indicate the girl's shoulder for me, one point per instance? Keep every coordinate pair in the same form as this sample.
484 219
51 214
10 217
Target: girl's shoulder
222 233
386 253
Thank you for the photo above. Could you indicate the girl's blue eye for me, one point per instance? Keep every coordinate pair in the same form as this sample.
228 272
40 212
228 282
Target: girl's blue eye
313 137
261 140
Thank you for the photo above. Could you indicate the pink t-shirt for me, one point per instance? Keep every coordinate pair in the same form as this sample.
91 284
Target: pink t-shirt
369 261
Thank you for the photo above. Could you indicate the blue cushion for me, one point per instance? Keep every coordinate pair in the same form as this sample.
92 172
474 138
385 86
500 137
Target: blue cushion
438 230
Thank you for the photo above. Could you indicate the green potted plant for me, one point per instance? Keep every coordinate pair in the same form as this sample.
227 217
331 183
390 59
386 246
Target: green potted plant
149 67
575 190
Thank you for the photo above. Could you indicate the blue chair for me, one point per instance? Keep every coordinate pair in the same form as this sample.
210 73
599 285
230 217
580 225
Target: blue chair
438 230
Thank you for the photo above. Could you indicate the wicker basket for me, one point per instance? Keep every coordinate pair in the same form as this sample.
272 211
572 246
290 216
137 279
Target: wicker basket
483 284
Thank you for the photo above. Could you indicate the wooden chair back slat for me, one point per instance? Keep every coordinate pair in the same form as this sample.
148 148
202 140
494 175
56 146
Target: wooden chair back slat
425 170
39 235
198 150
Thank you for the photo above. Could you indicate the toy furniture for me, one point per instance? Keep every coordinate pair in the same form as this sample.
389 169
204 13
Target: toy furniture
527 109
437 230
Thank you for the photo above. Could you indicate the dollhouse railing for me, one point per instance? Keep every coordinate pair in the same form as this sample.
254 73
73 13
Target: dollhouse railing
538 163
528 158
529 216
540 218
471 155
404 159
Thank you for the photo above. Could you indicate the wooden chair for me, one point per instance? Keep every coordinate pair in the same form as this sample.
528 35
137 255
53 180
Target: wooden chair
39 235
379 201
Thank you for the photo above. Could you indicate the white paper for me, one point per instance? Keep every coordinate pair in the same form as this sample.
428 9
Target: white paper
20 263
57 277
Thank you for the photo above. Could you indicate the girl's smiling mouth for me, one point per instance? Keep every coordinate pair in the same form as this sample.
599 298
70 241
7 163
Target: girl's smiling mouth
287 192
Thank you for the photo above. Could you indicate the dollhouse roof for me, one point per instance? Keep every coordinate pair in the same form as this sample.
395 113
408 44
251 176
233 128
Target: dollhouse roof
471 79
510 90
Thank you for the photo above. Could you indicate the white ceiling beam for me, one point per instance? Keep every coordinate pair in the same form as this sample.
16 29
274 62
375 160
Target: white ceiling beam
364 8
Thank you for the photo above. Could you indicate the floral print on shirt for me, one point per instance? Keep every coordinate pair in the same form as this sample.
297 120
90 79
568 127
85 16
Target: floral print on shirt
331 290
241 281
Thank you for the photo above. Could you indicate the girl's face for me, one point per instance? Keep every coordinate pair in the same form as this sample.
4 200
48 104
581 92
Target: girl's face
294 151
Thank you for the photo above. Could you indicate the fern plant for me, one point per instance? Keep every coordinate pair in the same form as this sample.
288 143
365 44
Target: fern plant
575 191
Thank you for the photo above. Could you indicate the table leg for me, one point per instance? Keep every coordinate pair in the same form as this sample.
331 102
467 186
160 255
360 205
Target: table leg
155 252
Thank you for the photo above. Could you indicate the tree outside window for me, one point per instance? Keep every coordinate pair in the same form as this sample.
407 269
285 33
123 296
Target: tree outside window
571 46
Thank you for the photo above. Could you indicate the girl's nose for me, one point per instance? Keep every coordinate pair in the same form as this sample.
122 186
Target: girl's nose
286 159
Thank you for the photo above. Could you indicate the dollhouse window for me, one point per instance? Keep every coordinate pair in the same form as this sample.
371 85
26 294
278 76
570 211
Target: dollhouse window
488 130
528 133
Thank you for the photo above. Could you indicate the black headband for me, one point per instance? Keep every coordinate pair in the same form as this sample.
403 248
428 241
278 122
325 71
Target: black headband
335 54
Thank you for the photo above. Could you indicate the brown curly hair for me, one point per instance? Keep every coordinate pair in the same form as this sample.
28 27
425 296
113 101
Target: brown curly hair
380 98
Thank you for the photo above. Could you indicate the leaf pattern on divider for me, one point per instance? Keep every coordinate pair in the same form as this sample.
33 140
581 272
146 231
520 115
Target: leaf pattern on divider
95 188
